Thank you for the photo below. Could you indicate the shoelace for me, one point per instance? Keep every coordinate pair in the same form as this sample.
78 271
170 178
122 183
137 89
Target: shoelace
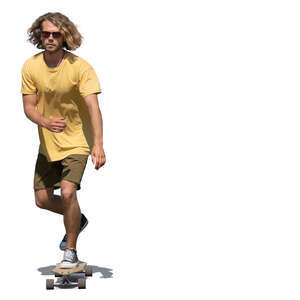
69 255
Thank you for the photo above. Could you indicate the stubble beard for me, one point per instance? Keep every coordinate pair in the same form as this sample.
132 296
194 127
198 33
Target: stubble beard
52 50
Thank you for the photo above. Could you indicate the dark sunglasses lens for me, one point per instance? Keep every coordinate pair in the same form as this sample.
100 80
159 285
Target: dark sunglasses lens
45 34
56 35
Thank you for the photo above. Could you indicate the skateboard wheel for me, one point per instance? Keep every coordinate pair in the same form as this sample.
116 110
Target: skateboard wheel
49 284
81 283
88 271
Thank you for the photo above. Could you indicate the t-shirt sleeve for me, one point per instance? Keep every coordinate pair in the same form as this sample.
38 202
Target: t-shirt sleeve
28 86
89 82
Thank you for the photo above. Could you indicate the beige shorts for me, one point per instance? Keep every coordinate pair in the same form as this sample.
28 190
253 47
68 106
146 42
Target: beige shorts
49 174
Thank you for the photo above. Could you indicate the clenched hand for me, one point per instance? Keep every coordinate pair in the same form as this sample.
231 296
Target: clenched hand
56 124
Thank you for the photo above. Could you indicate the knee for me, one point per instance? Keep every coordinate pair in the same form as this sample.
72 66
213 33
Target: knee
68 195
43 197
40 201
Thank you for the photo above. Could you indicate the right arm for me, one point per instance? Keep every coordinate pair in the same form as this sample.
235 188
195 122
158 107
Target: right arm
29 104
53 124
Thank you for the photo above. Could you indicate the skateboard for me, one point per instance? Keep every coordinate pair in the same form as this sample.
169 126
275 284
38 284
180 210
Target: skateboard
65 276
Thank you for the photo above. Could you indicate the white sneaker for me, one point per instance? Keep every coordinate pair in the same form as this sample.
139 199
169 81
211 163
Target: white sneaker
70 259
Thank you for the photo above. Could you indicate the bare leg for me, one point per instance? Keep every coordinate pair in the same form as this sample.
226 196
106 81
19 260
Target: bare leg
45 199
72 213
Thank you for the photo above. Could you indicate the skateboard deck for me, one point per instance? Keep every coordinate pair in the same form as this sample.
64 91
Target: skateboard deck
64 271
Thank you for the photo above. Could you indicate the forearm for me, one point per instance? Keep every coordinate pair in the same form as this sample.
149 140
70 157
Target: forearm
97 124
35 116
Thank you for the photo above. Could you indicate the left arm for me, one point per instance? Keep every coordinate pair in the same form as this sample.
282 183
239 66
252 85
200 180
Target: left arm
98 155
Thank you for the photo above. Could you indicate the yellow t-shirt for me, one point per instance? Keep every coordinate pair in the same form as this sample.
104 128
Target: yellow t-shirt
61 91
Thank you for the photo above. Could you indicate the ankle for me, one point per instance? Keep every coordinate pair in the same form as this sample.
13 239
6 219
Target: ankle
71 248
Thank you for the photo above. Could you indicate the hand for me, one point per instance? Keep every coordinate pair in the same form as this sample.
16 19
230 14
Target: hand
98 156
56 124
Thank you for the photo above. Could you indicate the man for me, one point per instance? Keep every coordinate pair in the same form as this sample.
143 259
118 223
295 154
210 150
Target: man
60 95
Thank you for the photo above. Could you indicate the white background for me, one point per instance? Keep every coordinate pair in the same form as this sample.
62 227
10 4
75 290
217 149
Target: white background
199 198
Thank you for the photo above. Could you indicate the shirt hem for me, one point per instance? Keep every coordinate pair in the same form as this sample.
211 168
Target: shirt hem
65 154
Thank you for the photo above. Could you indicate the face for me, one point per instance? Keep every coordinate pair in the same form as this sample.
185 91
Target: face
51 43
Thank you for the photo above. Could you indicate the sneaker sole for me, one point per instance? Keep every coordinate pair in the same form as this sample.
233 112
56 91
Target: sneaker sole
68 266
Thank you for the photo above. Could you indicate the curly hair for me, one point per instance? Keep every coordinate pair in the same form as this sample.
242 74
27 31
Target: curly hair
72 38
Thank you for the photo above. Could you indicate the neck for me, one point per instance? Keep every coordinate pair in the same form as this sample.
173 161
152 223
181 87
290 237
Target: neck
53 58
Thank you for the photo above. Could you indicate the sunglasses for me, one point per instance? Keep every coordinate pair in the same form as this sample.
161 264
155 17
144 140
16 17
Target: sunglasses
46 34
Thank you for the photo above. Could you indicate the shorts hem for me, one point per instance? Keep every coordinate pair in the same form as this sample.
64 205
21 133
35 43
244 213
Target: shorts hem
46 187
77 184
